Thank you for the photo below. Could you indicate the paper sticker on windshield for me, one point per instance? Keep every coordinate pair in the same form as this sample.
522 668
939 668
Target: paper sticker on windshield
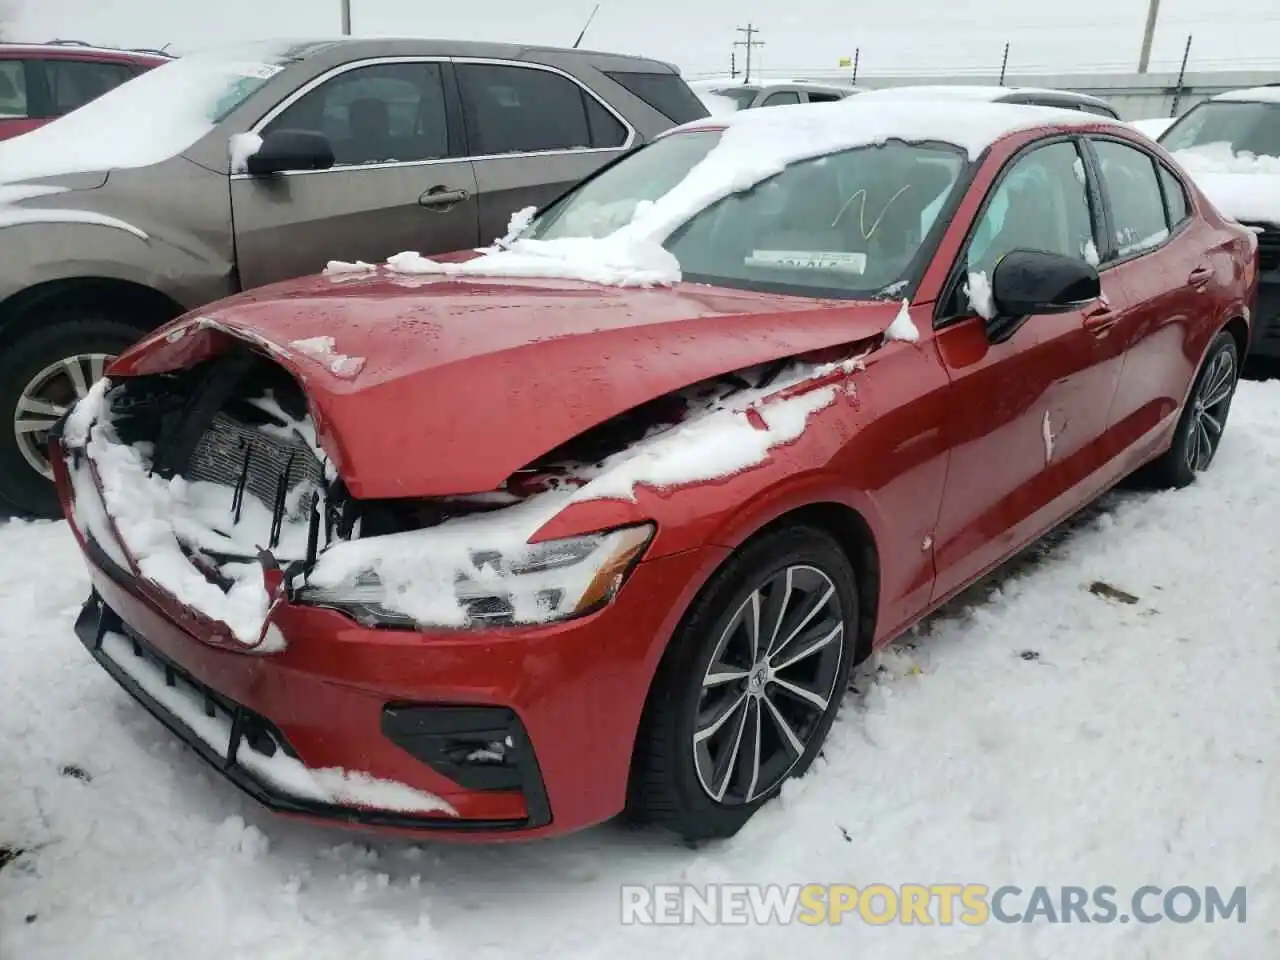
258 71
837 260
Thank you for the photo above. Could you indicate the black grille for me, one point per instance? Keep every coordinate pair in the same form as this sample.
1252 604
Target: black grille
1268 248
224 449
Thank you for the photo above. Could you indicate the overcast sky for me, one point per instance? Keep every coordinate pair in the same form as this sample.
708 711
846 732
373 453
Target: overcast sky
897 36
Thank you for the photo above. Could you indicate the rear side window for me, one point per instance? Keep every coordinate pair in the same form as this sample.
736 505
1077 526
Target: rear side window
665 92
1175 198
824 97
1134 196
13 90
73 83
526 110
781 99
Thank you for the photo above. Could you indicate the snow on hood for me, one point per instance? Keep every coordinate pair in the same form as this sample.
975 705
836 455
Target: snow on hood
756 145
1242 186
153 117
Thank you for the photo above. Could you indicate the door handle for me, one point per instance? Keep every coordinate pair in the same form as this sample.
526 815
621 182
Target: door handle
1200 276
441 198
1100 320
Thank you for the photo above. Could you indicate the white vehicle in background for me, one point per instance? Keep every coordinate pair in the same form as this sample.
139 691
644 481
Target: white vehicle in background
1153 127
1230 145
730 96
1037 96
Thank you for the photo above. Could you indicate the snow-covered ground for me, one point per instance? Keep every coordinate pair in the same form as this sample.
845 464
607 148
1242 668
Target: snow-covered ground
1041 735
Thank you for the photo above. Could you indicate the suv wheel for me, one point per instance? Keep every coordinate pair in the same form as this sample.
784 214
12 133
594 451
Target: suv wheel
42 375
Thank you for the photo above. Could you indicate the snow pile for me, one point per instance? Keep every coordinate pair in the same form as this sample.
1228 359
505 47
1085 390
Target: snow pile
154 517
1241 185
978 289
322 350
290 776
243 147
755 145
340 268
902 328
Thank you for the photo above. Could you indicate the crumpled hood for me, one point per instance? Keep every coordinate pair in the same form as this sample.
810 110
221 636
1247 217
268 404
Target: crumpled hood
429 386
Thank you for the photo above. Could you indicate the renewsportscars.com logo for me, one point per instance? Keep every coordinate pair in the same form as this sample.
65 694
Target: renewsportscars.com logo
880 904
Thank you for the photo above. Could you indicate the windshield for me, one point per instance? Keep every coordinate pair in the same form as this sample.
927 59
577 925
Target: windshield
147 119
1245 127
741 96
848 224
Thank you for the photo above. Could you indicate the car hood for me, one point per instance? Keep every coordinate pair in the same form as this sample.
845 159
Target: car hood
428 386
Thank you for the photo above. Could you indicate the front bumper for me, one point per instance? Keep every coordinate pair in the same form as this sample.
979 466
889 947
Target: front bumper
406 707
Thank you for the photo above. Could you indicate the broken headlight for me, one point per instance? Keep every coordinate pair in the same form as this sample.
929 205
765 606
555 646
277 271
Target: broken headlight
538 583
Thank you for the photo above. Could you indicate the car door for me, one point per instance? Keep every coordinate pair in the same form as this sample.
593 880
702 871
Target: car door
533 132
400 179
1161 261
18 113
1027 413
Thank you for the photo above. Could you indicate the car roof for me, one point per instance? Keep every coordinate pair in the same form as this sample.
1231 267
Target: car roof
982 92
79 51
972 125
1264 94
363 47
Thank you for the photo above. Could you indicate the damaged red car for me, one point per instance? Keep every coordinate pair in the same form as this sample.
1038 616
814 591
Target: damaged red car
600 519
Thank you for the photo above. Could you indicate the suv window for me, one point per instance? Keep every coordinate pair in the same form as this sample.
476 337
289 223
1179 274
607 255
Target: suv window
1133 194
824 97
13 90
383 113
73 83
1041 203
665 92
1175 197
528 110
781 98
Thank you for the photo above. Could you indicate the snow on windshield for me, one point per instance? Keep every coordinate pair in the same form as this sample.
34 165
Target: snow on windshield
755 146
146 120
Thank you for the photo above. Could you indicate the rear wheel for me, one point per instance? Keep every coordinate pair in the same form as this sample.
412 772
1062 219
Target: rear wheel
1204 419
42 375
747 692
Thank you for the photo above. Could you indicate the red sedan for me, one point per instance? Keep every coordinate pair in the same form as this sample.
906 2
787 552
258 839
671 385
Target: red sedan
600 519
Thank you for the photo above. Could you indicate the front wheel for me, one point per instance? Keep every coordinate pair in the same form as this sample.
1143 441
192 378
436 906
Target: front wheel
747 692
42 375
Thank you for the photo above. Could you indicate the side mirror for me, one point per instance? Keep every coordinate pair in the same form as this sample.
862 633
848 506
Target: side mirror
288 150
1027 282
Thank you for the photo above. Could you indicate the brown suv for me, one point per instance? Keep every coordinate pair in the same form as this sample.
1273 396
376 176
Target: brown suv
226 170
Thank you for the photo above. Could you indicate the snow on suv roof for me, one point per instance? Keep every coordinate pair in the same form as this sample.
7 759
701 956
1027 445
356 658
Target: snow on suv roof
1251 95
811 130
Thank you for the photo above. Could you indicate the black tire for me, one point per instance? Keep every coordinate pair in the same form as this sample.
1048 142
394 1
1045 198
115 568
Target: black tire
64 334
667 786
1173 469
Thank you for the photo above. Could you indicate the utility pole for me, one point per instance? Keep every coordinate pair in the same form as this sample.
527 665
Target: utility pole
733 64
346 18
1144 58
1004 64
750 30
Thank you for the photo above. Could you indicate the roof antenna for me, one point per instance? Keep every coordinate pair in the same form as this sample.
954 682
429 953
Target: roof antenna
594 11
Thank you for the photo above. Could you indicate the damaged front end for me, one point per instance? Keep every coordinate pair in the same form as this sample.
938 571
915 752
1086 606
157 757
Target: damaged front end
208 484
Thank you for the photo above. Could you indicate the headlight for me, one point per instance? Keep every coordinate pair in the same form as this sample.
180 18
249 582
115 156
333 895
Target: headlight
538 583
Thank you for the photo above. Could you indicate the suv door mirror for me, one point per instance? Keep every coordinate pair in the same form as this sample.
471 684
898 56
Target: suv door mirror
1027 282
288 150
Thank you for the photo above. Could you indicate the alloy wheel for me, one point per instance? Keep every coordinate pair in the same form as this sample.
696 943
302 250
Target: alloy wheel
771 680
1209 411
49 395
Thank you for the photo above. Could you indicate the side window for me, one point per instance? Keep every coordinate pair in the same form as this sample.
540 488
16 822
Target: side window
1041 203
73 83
781 98
1175 197
384 113
1133 196
665 92
13 90
824 97
527 110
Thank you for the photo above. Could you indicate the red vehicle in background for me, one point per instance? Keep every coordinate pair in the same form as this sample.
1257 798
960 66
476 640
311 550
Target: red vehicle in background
43 81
